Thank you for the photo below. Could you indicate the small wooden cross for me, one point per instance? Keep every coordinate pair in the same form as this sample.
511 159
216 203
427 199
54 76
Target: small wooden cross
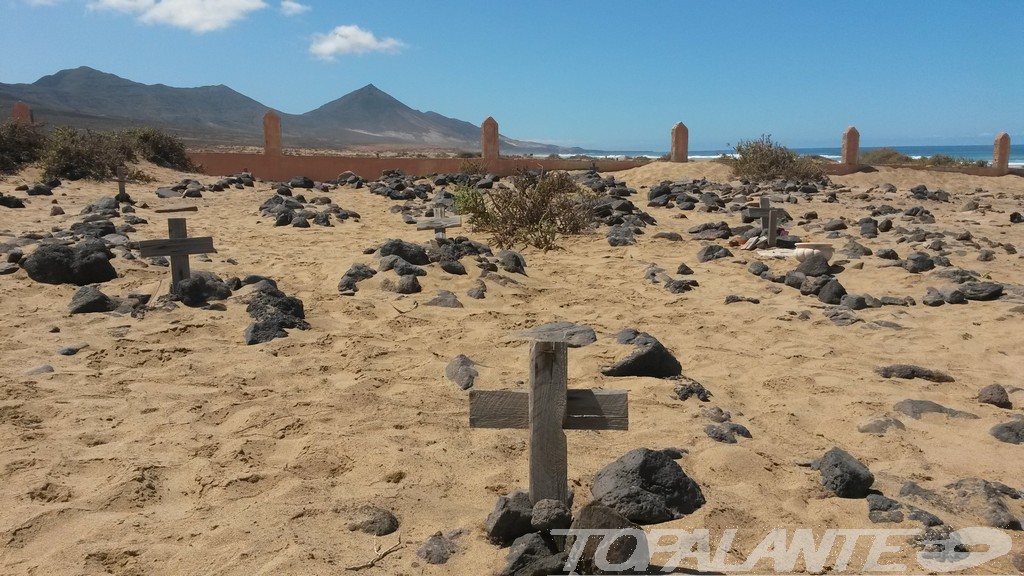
548 409
177 247
769 219
439 223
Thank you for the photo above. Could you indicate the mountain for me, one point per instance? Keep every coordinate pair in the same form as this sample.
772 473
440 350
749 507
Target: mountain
85 97
88 98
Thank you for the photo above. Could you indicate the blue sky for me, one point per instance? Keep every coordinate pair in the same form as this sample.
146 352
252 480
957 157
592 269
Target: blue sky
597 74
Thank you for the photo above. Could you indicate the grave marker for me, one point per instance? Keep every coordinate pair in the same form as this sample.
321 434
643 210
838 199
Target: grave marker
121 176
769 221
177 247
546 410
440 221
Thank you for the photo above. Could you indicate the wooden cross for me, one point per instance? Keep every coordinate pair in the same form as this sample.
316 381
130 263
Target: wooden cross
548 409
769 219
177 247
439 223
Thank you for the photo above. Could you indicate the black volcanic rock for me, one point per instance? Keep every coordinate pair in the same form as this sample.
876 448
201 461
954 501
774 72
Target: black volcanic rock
88 262
647 487
844 475
650 358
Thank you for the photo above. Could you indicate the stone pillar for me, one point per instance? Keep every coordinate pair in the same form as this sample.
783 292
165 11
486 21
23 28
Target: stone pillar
271 134
20 112
680 143
1001 153
489 139
851 146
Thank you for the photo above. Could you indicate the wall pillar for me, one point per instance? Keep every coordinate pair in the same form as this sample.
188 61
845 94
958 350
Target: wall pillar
1001 154
271 134
21 112
680 143
851 146
489 139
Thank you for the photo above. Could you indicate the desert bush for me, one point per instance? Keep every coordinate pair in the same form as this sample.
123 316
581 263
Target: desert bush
21 143
884 156
161 148
76 154
535 211
763 159
892 157
472 167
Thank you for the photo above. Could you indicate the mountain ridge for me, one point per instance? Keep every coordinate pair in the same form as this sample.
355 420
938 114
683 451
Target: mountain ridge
84 97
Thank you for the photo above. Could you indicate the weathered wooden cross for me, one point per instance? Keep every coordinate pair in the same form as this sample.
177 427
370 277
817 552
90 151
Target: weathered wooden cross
177 247
769 220
440 222
548 409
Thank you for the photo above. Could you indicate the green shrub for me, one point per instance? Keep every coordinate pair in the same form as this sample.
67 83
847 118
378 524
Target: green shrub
763 160
535 211
21 143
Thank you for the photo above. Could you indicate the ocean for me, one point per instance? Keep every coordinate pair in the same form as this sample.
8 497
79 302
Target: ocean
971 152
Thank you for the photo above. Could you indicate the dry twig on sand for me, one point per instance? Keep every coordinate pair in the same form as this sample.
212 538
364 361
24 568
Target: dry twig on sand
380 556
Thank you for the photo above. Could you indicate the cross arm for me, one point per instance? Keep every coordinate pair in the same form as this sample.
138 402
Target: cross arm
177 246
585 409
438 223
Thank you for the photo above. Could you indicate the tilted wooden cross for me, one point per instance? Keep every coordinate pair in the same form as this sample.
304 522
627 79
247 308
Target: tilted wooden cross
440 222
548 409
177 247
769 219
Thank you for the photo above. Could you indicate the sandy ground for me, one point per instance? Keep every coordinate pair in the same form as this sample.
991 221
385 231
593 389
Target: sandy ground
168 446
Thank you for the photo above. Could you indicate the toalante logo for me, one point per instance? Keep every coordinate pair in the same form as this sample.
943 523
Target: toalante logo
784 549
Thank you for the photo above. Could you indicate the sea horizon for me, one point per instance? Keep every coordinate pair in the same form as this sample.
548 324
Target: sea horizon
969 152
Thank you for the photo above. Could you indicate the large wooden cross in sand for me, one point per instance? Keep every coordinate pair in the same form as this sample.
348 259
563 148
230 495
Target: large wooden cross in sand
769 221
548 409
177 247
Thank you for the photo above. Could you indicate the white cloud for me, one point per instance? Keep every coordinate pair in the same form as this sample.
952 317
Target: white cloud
195 15
351 40
292 8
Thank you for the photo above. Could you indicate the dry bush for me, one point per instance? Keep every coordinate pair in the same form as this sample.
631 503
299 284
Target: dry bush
764 160
21 143
892 157
535 211
472 167
161 148
77 154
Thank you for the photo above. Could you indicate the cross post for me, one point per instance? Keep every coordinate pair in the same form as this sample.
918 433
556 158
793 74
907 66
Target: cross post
177 248
120 181
547 409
